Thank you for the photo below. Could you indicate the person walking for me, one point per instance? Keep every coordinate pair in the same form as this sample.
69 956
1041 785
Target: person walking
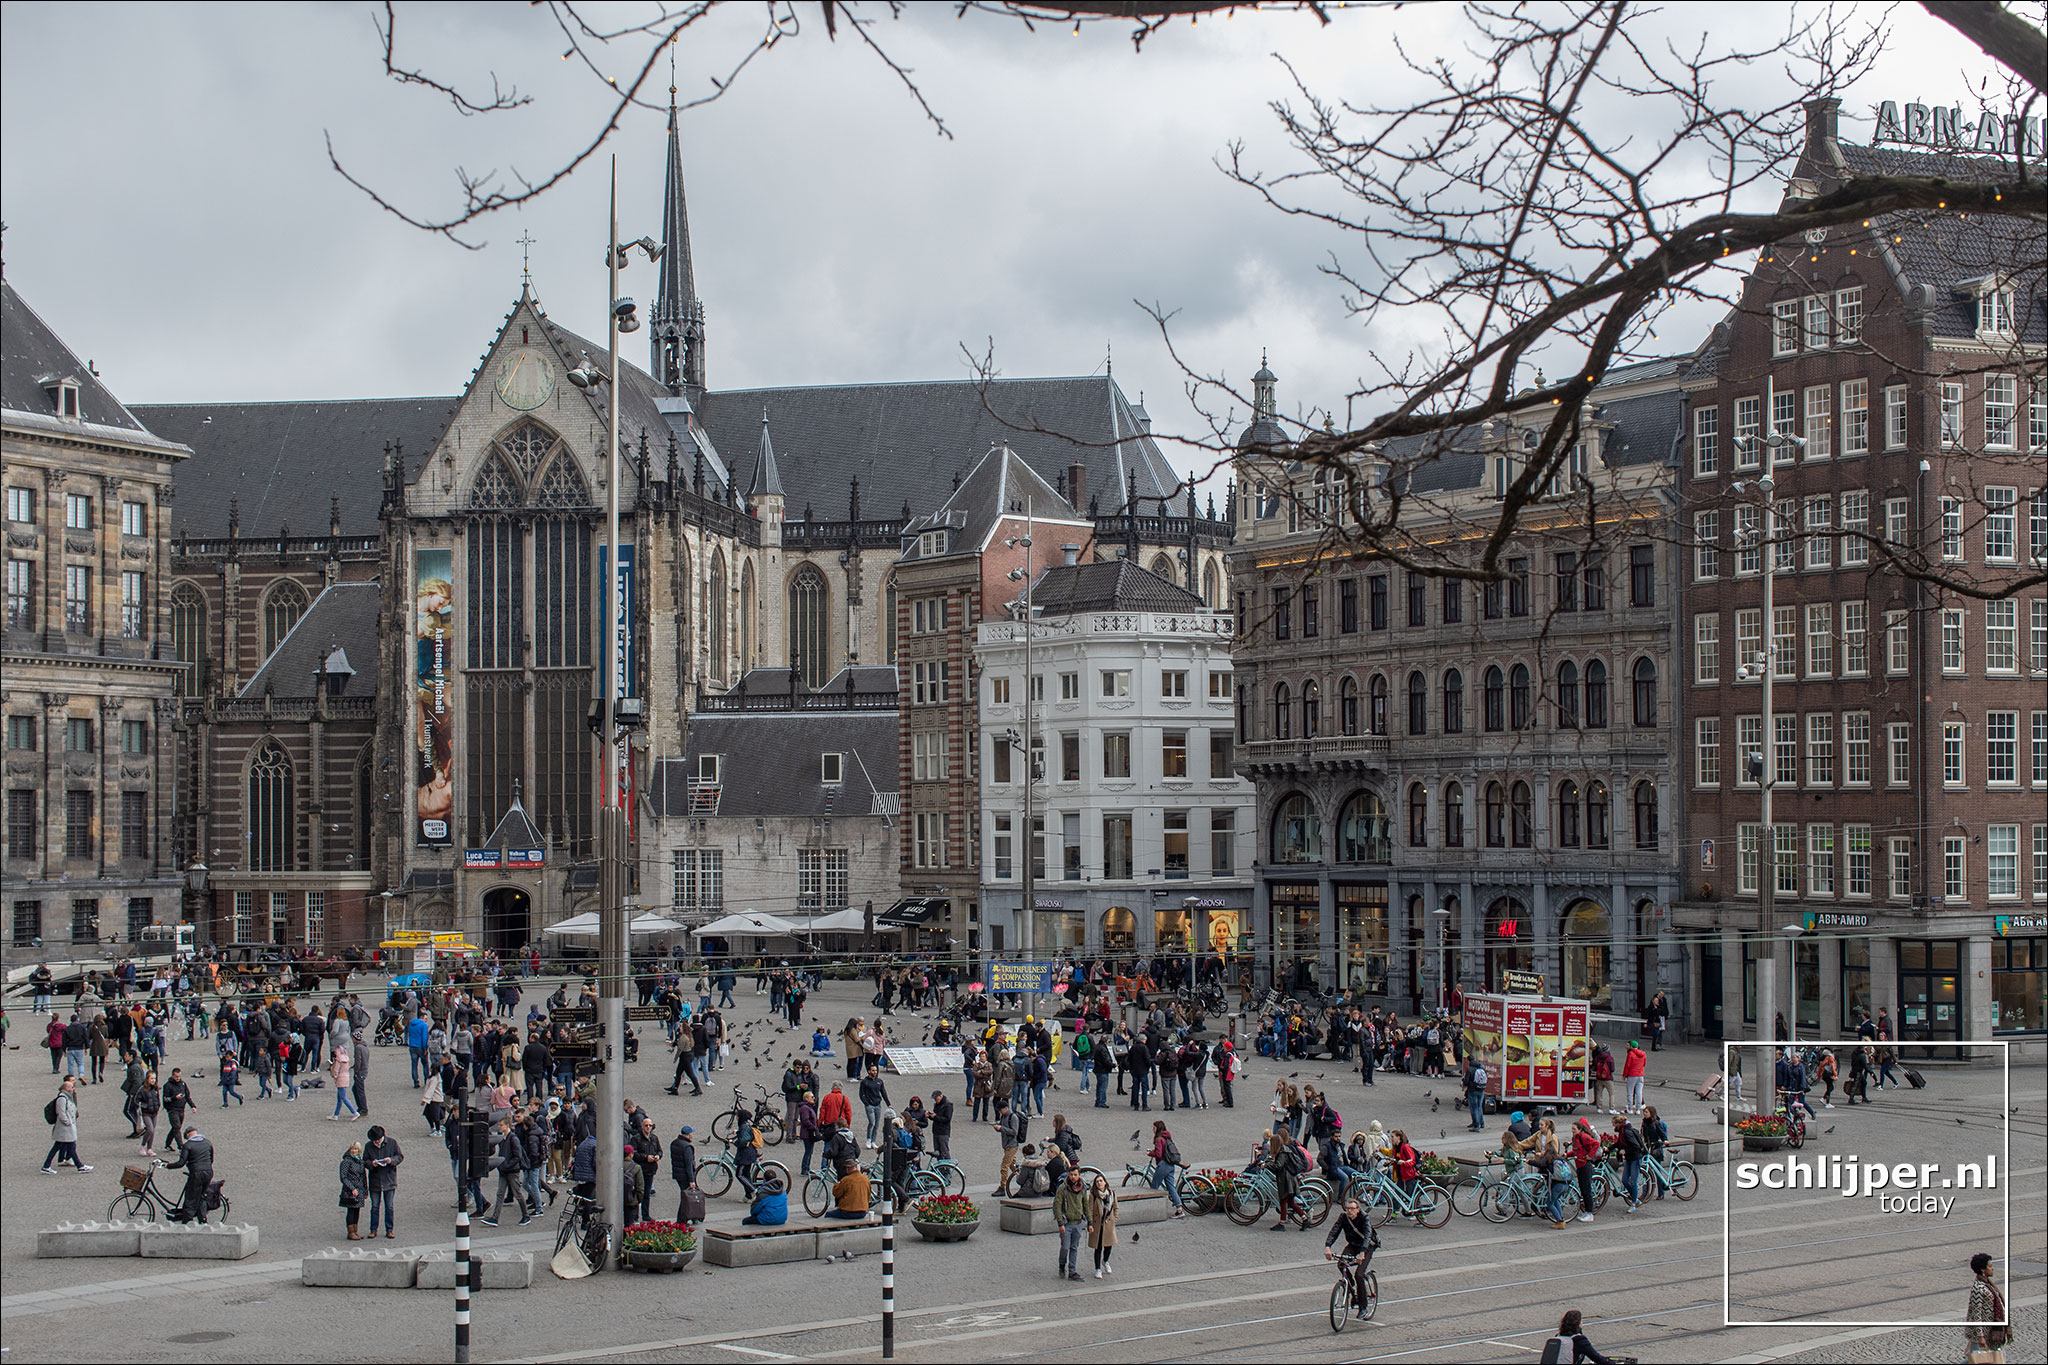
1010 1127
682 1168
1585 1152
417 1031
62 1112
382 1157
1474 1081
1103 1060
874 1098
355 1182
1656 1017
132 1073
230 1076
76 1037
177 1099
1984 1332
340 1066
359 1070
149 1102
53 1039
1070 1216
1102 1212
195 1157
1166 1166
1633 1066
508 1159
1550 1159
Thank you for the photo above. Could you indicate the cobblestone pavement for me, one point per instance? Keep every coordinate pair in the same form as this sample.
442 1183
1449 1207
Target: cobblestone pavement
1650 1283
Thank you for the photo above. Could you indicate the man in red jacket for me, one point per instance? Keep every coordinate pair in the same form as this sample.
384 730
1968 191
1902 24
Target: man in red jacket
1585 1151
836 1111
1632 1068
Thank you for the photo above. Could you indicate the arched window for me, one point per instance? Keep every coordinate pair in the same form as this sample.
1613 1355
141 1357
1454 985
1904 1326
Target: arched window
270 809
1283 712
889 622
1418 704
562 486
283 605
366 808
1646 815
1521 821
1362 833
1418 815
1454 816
1347 706
808 602
1163 566
1496 701
1645 692
188 637
1586 944
1379 704
1496 815
1311 709
1567 695
1454 702
1519 712
715 642
1297 831
749 619
1211 588
1568 814
1596 695
1597 816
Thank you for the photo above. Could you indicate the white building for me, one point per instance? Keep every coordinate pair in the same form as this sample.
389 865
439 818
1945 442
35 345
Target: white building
1145 829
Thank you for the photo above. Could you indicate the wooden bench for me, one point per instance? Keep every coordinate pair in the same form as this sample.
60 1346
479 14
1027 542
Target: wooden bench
806 1241
1033 1217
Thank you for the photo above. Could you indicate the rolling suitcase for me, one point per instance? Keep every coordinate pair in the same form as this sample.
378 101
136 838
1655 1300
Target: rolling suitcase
1708 1087
1915 1079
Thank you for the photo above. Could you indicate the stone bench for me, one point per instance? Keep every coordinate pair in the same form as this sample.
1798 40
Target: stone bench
197 1242
356 1268
89 1239
740 1246
487 1270
1706 1151
1033 1217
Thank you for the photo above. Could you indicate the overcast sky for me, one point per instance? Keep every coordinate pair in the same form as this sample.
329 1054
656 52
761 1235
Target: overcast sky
170 208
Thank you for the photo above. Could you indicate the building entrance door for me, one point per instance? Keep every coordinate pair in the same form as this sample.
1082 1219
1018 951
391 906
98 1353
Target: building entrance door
508 920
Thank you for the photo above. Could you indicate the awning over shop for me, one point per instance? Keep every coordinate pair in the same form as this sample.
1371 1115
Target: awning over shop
837 922
745 922
913 912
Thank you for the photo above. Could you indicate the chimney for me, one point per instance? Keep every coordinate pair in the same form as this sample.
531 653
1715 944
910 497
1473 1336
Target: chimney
1822 119
1077 484
1073 554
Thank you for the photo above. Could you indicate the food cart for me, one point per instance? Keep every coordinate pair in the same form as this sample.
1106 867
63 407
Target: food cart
1535 1049
416 951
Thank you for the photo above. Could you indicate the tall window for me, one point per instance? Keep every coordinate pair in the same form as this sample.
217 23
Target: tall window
1521 816
1646 814
188 635
21 596
1311 709
1567 695
697 879
1496 815
1642 576
1454 702
134 825
808 599
1454 816
1283 712
1599 814
1377 704
77 599
79 839
134 613
283 605
1567 833
1347 706
270 824
1418 704
1495 690
1596 694
1418 815
1521 711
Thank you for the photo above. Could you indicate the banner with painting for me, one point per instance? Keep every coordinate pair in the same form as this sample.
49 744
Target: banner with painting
433 639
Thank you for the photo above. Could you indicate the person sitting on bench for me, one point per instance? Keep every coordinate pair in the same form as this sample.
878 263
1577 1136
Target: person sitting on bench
850 1193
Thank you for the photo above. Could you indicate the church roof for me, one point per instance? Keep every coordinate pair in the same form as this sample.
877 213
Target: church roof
342 617
515 830
286 461
905 441
1000 484
1111 585
34 359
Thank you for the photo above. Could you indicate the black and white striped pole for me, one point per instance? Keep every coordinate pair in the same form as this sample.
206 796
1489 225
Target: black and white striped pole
888 1240
462 1230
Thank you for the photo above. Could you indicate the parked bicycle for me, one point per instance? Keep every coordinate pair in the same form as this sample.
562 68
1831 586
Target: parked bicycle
142 1201
715 1175
1385 1200
765 1114
1255 1191
1197 1193
818 1184
582 1222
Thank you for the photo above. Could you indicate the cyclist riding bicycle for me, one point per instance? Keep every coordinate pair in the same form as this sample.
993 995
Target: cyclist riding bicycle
1360 1241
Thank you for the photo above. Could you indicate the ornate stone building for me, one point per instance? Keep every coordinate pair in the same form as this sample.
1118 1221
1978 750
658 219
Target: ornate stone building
87 672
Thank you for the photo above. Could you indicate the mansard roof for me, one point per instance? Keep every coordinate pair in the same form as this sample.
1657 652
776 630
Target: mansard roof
1111 585
34 362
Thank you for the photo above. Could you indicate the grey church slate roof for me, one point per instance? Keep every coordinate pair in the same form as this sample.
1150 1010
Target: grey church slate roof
344 616
906 441
33 353
771 765
1111 585
285 461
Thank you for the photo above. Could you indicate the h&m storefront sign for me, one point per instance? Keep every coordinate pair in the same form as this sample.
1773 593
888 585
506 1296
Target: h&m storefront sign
1947 130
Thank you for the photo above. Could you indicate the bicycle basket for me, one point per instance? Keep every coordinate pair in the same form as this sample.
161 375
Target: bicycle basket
134 1178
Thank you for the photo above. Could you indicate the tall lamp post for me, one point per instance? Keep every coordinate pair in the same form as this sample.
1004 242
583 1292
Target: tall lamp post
1442 916
609 720
1022 610
1762 761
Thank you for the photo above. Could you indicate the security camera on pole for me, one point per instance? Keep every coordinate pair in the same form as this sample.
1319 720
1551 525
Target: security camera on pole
1761 763
610 721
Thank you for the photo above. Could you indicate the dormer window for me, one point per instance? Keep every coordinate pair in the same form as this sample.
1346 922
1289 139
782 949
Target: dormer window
1500 474
63 391
707 767
832 768
931 544
1995 310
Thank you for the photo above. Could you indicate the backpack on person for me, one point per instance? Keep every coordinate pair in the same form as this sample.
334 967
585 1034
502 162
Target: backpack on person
1479 1078
1171 1155
50 1112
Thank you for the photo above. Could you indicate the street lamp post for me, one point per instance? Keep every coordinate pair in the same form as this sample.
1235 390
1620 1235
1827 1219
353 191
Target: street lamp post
1022 609
1442 916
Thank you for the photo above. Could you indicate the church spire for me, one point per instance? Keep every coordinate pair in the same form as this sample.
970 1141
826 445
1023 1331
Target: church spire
678 324
767 478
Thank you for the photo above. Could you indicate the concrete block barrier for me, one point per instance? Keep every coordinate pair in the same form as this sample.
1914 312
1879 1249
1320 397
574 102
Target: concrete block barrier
88 1239
359 1269
487 1270
192 1242
1033 1217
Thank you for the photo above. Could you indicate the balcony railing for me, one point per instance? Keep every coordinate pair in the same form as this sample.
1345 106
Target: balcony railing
1321 749
834 700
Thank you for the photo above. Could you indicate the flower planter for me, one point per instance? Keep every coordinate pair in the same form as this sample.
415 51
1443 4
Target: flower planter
660 1262
1761 1144
945 1232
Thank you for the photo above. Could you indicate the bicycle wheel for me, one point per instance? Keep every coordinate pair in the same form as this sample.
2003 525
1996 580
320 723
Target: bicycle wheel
1132 1176
597 1245
1497 1203
1313 1206
1432 1206
772 1131
722 1126
1198 1195
925 1182
131 1206
1340 1304
566 1228
774 1177
1370 1283
1685 1181
817 1195
1467 1194
1088 1174
956 1179
715 1178
1598 1180
1247 1204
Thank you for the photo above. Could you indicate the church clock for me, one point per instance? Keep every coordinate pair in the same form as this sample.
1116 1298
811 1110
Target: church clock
526 383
